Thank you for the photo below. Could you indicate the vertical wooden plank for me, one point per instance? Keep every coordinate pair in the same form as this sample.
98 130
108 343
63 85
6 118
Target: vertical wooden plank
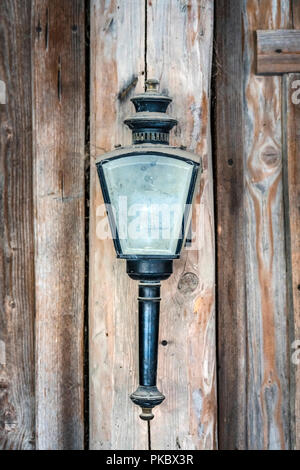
229 184
258 219
117 68
16 230
292 189
179 54
295 249
296 13
59 117
268 362
293 124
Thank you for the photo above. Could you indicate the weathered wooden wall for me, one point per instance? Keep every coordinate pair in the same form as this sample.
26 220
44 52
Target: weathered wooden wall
17 428
291 111
179 54
117 36
252 174
58 46
177 41
42 63
256 385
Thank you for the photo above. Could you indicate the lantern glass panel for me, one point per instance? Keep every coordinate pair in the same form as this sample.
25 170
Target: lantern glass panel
148 195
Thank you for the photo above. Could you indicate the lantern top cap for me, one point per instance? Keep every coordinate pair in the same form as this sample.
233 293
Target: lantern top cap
151 124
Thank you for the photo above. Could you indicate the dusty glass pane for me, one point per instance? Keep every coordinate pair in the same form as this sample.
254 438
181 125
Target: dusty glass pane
148 195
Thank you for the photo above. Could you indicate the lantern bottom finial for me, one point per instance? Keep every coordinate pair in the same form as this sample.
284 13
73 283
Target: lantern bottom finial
147 397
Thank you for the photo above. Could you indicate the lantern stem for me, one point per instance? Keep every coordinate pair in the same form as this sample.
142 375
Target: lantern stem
147 395
149 272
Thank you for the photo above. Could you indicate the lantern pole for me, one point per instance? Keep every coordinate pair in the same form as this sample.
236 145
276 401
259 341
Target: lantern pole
149 273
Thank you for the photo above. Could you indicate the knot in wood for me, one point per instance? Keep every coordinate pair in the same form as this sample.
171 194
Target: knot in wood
271 157
188 283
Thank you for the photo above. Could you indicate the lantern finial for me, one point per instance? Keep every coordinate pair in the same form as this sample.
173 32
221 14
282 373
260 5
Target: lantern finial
152 85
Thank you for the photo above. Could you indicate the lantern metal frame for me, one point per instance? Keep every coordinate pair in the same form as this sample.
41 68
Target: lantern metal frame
110 214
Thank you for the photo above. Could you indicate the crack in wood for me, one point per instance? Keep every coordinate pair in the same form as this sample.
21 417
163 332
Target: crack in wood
47 29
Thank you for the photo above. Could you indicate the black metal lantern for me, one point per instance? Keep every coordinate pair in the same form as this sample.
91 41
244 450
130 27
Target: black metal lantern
148 190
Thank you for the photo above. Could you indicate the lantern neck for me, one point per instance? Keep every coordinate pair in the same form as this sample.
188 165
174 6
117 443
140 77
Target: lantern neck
149 269
150 123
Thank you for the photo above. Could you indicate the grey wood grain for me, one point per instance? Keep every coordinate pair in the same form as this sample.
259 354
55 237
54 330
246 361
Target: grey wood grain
58 136
292 192
230 206
17 429
295 6
254 300
266 291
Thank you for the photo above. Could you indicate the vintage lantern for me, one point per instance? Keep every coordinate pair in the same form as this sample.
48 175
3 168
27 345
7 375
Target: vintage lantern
148 190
